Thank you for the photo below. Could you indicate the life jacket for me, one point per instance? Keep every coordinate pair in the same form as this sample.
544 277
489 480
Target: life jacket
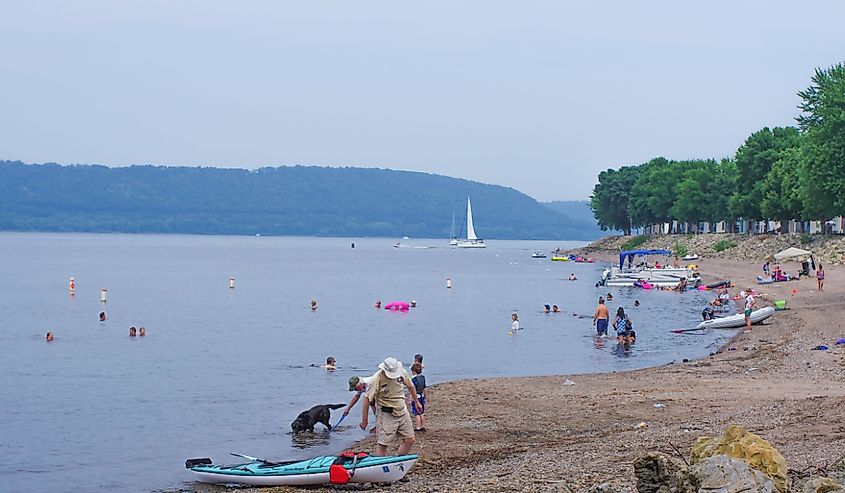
339 474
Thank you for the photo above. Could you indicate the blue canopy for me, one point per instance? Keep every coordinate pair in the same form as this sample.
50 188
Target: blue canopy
633 253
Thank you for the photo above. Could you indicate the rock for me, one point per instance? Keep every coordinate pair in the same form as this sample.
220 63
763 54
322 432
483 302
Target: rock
723 474
821 485
739 443
659 473
837 470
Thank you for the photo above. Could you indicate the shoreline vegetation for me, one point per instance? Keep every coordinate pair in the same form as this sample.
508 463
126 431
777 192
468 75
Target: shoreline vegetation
790 179
546 434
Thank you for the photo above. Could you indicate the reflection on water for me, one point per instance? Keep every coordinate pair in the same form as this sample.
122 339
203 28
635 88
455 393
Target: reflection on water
227 369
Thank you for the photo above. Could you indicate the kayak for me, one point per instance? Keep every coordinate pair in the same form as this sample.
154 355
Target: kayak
738 320
258 472
560 259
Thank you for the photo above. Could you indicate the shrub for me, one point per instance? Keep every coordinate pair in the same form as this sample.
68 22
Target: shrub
805 239
634 242
679 249
723 245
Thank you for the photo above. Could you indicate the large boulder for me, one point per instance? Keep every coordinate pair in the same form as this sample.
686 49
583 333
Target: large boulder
659 473
739 443
723 474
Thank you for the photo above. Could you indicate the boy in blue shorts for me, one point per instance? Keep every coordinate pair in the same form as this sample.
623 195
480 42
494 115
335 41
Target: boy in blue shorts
418 379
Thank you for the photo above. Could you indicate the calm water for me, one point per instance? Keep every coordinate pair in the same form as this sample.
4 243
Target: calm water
226 370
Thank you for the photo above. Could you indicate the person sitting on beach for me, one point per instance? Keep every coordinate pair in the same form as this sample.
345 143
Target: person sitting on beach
418 380
49 337
572 277
555 309
103 316
387 392
330 364
600 318
546 308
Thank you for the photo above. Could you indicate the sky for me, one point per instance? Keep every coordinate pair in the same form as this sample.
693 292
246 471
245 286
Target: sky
539 96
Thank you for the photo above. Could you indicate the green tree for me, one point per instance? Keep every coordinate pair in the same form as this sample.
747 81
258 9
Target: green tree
822 173
610 198
782 194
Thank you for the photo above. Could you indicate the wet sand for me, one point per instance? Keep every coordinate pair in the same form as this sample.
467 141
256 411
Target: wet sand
539 434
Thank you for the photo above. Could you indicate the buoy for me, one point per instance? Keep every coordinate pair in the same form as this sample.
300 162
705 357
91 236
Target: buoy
448 283
231 283
72 286
103 295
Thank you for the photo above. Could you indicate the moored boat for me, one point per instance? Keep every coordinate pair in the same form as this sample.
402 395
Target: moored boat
738 320
351 468
538 255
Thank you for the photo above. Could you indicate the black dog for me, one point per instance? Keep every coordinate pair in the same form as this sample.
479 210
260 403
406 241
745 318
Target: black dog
317 414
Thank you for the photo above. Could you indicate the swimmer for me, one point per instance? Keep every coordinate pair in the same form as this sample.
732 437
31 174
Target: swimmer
313 305
378 304
142 332
609 297
103 316
515 324
413 304
555 309
330 364
132 332
546 308
49 337
636 303
572 277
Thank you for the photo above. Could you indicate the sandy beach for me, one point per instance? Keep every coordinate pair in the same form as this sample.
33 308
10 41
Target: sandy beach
539 434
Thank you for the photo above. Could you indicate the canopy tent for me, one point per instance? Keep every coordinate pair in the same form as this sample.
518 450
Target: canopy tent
792 252
633 253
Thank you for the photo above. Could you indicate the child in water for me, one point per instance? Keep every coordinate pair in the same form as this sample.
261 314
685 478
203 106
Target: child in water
514 324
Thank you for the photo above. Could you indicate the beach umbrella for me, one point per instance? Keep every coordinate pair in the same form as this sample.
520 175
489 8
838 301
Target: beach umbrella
792 252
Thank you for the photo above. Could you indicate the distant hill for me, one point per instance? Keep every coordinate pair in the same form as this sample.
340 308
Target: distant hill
287 200
581 216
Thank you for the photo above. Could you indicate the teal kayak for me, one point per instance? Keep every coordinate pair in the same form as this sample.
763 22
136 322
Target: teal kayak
258 472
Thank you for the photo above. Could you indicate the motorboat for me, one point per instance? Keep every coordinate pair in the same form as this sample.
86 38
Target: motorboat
538 255
636 274
738 320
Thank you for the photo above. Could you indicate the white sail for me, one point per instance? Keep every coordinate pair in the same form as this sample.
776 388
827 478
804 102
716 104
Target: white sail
470 229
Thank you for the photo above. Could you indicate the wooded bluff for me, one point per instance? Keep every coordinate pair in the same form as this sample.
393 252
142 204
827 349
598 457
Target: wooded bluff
286 200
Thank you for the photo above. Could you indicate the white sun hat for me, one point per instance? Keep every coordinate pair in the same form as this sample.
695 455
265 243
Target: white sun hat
391 367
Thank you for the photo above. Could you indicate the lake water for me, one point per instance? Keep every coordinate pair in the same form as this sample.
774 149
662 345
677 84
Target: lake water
226 370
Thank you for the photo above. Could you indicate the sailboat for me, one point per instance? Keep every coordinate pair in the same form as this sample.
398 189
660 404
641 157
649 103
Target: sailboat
453 240
472 240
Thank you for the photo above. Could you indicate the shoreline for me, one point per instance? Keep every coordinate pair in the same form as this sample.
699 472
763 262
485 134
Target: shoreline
536 433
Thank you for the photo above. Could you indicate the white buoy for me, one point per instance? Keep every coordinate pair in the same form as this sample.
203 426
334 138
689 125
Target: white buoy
448 283
231 283
103 295
72 286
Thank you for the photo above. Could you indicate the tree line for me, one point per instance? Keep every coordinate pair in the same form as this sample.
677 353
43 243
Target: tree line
778 174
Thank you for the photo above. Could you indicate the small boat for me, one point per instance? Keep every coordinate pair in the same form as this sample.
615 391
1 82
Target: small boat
560 258
738 320
583 260
690 257
538 255
472 240
355 468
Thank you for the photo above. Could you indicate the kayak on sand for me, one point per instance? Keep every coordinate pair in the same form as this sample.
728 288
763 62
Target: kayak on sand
345 468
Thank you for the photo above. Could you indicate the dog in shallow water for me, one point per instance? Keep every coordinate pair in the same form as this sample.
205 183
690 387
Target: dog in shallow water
318 414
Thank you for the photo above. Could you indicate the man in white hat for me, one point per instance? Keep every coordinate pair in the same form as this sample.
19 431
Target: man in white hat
387 393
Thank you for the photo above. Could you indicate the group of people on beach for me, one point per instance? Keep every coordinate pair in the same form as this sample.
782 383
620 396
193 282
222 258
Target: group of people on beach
396 399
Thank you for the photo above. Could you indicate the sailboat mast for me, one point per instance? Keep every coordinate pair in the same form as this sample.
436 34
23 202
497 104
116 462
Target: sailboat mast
470 228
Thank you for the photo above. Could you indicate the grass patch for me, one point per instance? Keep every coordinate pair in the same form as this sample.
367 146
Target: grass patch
634 242
679 249
806 239
723 245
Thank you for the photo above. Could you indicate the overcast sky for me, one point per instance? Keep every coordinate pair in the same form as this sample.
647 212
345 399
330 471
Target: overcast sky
538 96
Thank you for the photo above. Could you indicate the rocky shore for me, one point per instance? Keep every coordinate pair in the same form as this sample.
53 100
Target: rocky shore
600 432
